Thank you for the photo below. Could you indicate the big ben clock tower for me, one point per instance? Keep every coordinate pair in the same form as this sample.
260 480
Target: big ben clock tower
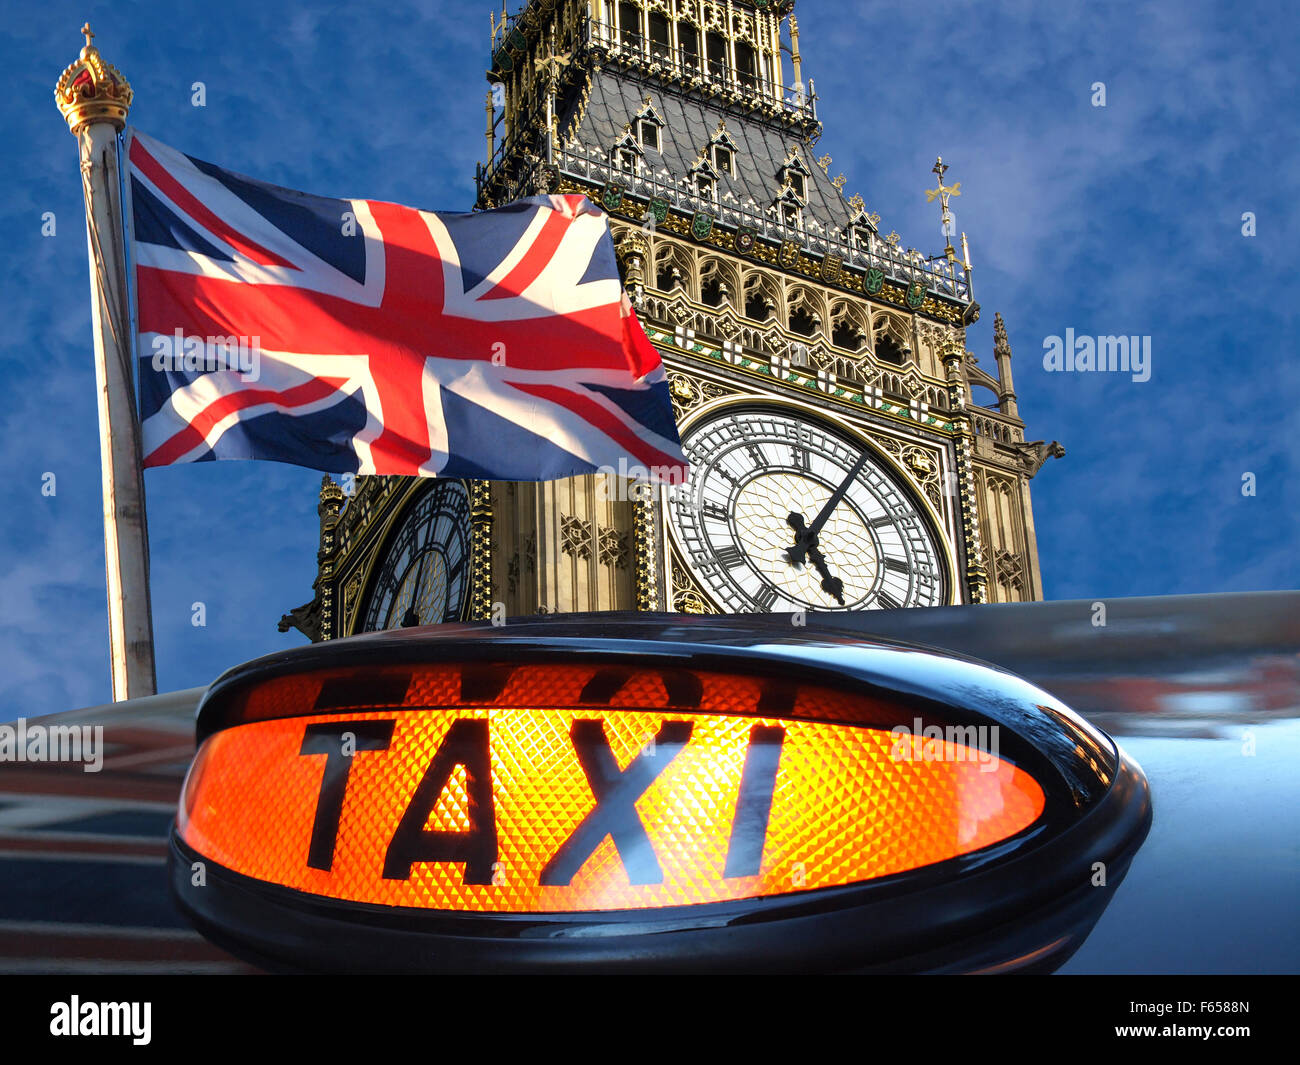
819 373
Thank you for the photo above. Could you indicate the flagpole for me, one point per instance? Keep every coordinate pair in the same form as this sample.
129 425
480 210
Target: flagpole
95 99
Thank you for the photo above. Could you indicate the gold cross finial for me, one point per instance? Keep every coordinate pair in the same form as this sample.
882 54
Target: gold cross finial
943 191
86 32
941 194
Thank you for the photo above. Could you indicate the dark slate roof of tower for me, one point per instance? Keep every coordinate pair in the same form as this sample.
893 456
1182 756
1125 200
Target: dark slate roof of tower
762 146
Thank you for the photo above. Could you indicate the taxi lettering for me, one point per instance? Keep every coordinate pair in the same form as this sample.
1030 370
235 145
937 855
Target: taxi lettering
466 745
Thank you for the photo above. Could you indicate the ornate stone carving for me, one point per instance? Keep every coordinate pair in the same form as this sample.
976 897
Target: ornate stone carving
1034 455
644 549
613 547
689 392
351 600
306 619
575 536
480 516
1009 569
688 598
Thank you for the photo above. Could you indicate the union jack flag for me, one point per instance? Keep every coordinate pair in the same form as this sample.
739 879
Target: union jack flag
366 337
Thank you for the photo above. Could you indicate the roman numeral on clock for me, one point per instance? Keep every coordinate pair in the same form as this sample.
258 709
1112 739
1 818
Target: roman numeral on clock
765 597
716 511
802 460
882 522
888 601
898 565
730 557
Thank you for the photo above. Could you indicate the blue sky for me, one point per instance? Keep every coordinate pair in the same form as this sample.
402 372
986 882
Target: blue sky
1125 219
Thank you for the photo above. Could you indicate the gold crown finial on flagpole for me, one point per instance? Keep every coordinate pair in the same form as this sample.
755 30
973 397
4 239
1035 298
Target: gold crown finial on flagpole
91 90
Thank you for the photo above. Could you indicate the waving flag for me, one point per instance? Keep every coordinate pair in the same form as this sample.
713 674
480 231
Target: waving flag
366 337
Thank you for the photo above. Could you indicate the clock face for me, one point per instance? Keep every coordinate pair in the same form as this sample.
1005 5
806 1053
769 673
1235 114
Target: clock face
424 576
748 521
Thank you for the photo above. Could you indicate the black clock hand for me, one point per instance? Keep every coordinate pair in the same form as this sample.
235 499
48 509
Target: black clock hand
831 584
806 536
807 545
795 553
836 496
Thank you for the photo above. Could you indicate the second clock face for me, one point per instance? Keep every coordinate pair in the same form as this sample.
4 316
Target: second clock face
424 575
757 476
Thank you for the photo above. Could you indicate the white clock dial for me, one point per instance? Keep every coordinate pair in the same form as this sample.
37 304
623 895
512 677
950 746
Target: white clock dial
761 481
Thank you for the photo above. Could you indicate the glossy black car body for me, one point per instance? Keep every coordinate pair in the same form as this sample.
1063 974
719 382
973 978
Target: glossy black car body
1201 691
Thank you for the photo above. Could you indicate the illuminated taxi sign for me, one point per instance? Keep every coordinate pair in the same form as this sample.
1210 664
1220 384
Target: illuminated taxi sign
645 793
554 808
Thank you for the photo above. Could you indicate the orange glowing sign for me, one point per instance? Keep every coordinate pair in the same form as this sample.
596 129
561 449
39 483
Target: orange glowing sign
563 789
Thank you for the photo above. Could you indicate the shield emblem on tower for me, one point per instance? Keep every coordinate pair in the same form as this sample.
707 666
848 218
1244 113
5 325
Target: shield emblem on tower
701 225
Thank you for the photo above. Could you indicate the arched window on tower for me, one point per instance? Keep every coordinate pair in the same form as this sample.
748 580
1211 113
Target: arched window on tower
627 154
629 24
702 178
722 151
660 47
717 45
849 326
745 69
889 350
788 209
793 175
671 270
760 298
648 124
805 313
848 336
688 40
802 322
718 281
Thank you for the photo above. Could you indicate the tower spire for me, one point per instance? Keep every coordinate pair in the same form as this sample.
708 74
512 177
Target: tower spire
1002 355
942 193
795 59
